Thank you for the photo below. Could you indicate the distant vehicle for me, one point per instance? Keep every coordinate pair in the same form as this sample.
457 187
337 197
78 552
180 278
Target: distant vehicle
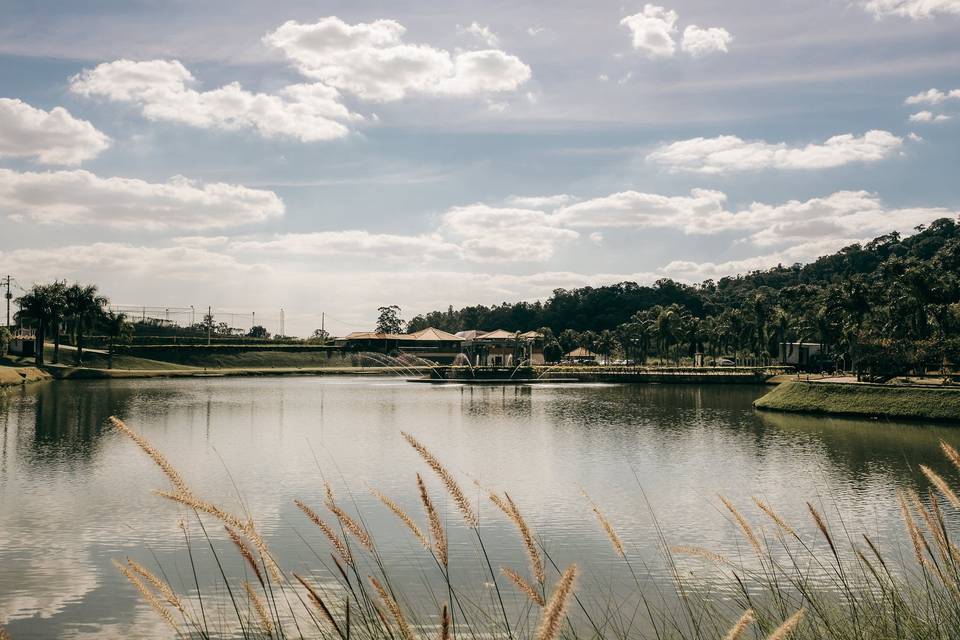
726 362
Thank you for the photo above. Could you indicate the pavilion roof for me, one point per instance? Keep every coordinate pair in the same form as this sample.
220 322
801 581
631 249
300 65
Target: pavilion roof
373 335
581 352
499 334
432 333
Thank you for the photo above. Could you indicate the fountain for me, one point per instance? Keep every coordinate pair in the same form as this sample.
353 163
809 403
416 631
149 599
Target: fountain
549 369
517 368
461 360
389 362
418 361
463 371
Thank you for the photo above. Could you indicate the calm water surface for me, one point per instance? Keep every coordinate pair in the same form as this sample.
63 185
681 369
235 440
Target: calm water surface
74 494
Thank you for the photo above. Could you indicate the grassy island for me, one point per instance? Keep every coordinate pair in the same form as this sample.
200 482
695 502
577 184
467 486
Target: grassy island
873 400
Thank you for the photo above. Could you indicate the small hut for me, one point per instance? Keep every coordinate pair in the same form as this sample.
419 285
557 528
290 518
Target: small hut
580 355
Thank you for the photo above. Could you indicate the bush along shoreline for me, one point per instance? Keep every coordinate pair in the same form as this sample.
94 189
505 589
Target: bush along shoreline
864 400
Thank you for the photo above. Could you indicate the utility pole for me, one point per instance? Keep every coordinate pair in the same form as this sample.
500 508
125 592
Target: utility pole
281 323
8 296
209 323
323 317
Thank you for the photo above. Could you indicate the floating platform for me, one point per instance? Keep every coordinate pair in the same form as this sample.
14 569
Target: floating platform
494 381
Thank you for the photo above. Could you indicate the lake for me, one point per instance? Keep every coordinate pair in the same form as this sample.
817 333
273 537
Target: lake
74 494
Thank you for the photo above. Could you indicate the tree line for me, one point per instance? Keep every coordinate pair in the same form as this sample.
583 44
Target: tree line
885 307
77 308
78 311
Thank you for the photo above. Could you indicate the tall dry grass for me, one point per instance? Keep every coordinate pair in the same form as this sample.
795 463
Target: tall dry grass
787 587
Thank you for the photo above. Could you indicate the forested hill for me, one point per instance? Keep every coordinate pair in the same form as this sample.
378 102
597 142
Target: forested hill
888 290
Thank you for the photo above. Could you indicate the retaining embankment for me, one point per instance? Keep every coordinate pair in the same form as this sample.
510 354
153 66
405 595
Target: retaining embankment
867 400
17 376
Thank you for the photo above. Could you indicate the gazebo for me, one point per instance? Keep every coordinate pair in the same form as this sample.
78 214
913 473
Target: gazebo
581 354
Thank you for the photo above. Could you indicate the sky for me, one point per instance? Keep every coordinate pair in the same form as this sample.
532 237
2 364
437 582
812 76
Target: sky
328 158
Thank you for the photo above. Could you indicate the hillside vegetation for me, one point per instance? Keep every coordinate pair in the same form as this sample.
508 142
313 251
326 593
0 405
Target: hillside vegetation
885 307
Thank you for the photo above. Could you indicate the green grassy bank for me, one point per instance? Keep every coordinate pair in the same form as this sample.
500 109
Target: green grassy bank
97 360
240 356
874 400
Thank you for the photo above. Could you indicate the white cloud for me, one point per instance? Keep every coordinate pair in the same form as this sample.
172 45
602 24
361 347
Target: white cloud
933 97
382 246
928 116
914 9
107 261
844 214
481 32
49 137
80 197
474 233
372 61
305 112
535 31
700 42
202 242
541 202
652 30
490 234
700 212
915 137
726 154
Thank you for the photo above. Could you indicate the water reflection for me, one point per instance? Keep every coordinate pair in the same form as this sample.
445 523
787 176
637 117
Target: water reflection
73 494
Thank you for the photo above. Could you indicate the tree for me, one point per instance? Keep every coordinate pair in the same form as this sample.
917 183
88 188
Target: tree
43 305
5 337
569 340
258 332
552 351
84 307
389 320
118 331
58 310
605 344
320 335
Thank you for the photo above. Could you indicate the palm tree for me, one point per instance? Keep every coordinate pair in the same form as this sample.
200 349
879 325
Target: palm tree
605 344
117 330
42 305
84 308
667 325
58 299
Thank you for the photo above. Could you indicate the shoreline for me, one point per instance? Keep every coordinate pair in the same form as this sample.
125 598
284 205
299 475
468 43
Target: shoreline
568 374
82 373
20 376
